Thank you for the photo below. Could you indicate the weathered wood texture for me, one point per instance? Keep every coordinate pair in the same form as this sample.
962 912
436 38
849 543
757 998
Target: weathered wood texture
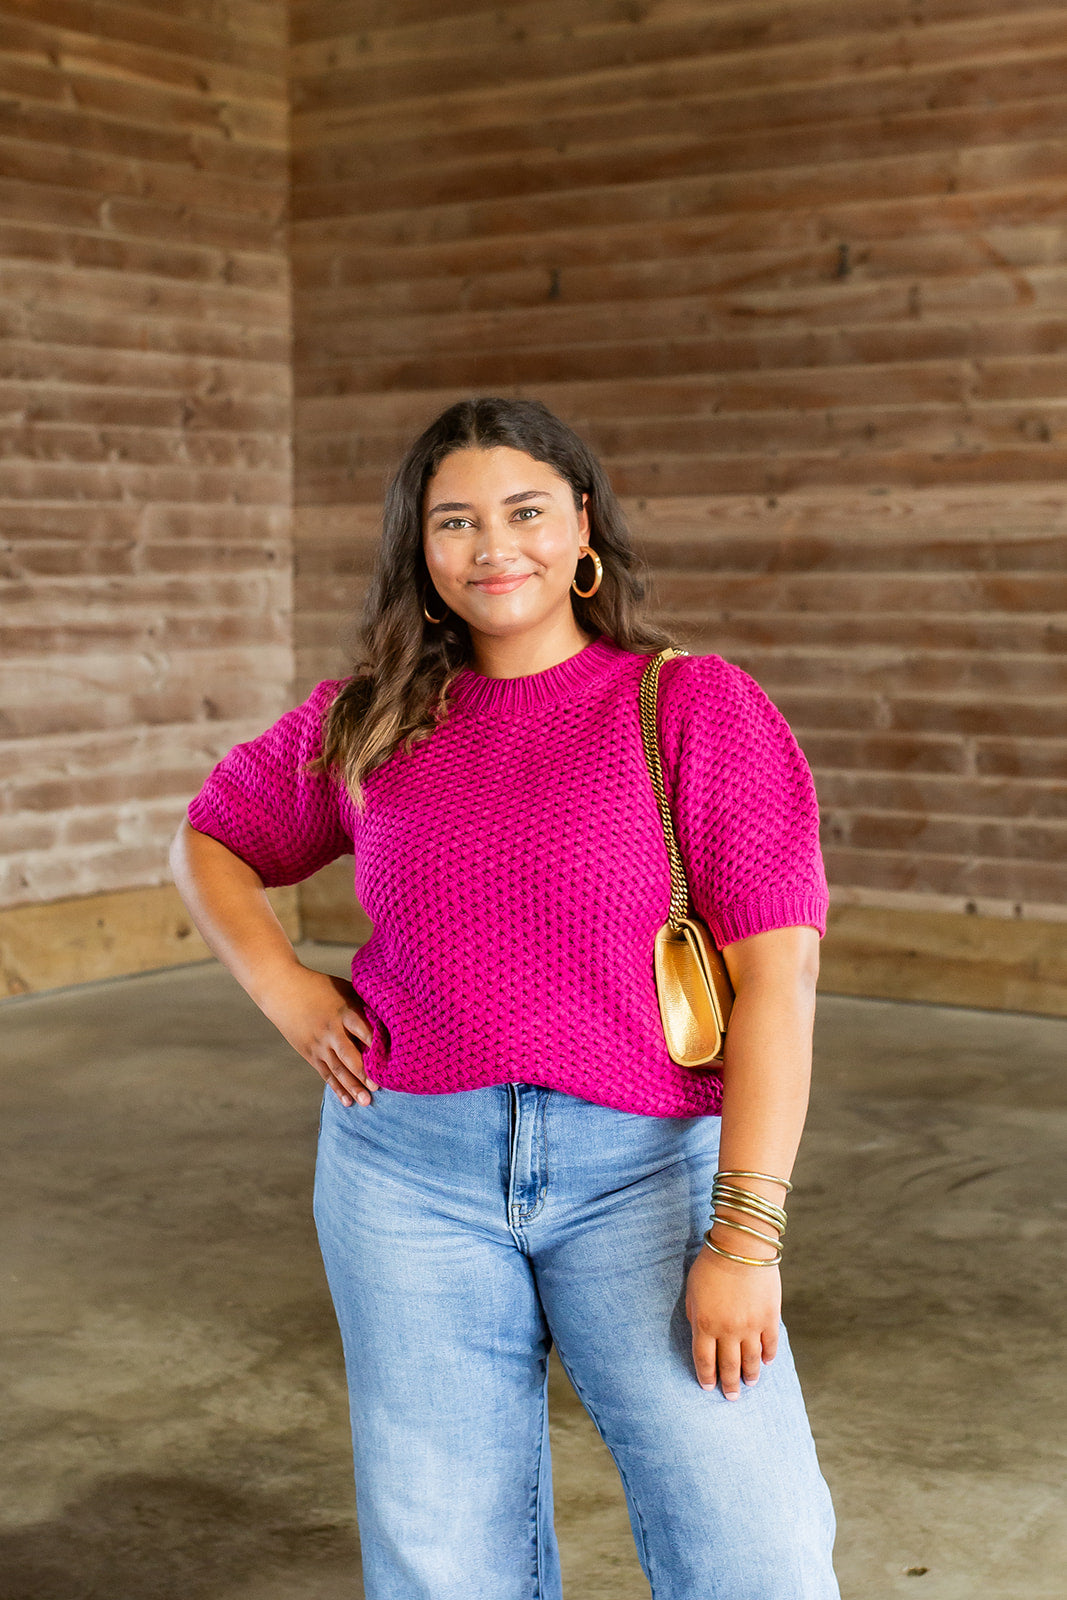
992 963
55 943
799 272
145 483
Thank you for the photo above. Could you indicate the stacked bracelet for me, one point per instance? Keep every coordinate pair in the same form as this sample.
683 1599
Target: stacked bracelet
732 1198
766 1177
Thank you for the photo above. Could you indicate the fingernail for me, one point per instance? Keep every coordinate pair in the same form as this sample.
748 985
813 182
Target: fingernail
364 1099
370 1084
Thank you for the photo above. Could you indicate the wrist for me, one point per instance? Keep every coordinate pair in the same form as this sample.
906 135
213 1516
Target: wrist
737 1243
275 985
745 1225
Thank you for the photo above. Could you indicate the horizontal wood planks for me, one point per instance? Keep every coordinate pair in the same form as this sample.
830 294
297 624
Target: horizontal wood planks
145 481
799 274
54 943
797 271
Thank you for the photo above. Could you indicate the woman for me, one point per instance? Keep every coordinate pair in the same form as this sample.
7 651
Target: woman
508 1157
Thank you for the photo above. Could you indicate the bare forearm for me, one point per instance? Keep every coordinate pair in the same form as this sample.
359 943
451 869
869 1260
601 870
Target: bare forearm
228 903
734 1305
766 1079
767 1067
320 1016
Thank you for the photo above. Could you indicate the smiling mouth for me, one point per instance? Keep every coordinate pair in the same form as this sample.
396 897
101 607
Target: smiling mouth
502 583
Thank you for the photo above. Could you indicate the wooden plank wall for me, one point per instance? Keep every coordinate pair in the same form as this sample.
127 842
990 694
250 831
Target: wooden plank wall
145 481
798 271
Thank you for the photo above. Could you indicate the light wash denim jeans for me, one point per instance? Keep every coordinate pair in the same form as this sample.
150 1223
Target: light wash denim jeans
462 1235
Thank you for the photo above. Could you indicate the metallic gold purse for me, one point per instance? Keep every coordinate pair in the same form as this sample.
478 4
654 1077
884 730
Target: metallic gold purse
692 983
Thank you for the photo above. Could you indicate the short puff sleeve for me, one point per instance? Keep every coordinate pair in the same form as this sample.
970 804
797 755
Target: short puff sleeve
743 801
261 803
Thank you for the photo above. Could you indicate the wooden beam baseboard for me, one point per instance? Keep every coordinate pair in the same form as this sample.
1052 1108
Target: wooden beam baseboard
993 963
63 942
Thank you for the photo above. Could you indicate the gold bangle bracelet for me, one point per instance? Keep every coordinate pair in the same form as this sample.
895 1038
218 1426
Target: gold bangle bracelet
744 1228
720 1206
744 1200
750 1194
786 1185
749 1261
727 1194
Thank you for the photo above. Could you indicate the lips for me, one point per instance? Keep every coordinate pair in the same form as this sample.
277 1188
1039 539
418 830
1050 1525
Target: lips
501 585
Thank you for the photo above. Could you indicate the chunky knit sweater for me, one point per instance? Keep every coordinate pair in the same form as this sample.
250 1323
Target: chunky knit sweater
514 867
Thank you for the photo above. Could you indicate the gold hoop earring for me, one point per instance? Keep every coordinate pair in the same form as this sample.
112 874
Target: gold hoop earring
428 617
587 550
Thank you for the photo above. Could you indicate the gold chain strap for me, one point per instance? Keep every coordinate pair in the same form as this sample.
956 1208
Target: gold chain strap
649 687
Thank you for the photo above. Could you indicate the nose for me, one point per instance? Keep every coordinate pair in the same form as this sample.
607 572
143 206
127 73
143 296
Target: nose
495 544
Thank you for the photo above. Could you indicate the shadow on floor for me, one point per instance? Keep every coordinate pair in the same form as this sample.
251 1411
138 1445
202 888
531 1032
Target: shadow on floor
148 1537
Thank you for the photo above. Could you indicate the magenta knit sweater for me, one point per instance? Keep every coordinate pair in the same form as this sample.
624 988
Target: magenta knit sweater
514 867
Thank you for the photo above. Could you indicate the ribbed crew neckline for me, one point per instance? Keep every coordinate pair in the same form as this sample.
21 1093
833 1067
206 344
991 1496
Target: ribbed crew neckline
477 691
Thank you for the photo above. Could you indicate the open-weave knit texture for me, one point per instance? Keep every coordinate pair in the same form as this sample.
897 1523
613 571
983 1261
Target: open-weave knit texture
514 867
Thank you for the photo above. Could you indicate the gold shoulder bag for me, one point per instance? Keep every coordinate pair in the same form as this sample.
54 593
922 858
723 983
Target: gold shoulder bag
692 983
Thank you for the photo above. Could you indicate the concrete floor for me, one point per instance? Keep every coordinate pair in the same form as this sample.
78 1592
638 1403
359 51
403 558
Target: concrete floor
176 1424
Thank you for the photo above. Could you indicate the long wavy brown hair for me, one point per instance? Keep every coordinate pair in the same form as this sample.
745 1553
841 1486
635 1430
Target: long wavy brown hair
398 691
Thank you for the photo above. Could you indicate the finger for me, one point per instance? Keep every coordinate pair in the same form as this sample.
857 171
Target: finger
331 1082
352 1082
350 1073
339 1090
704 1360
750 1359
770 1343
358 1025
346 1085
337 1045
729 1358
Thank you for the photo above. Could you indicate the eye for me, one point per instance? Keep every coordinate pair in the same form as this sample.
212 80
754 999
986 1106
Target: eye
454 522
526 512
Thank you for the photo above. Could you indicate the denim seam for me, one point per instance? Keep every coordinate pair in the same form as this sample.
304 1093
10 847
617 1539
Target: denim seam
513 1145
527 1213
631 1498
531 1211
539 1591
647 1559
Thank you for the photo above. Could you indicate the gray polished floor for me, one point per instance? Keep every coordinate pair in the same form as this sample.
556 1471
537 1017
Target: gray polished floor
176 1424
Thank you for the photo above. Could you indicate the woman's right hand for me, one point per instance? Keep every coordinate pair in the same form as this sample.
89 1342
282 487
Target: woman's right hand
318 1014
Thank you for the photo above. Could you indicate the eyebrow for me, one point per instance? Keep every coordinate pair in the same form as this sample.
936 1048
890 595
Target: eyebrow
511 500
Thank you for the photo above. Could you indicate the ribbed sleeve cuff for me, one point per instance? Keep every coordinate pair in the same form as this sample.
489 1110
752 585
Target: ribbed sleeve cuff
205 819
764 912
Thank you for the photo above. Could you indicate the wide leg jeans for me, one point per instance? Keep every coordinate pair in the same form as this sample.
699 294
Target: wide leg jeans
462 1235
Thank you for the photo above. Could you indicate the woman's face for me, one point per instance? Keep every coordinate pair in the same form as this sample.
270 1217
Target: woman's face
501 534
